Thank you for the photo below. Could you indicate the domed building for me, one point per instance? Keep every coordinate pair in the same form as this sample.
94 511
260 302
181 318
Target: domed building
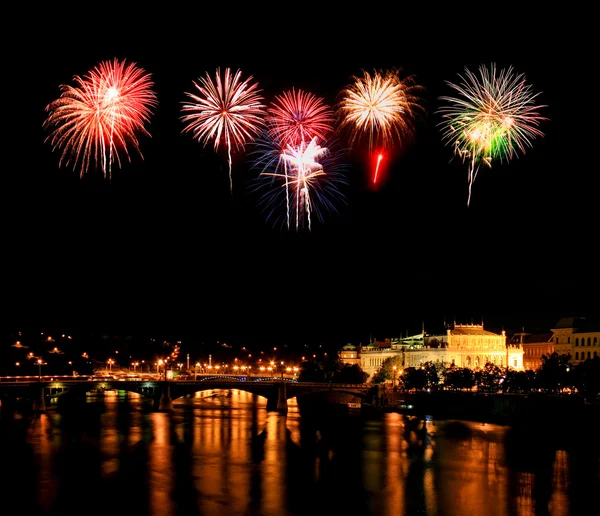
349 354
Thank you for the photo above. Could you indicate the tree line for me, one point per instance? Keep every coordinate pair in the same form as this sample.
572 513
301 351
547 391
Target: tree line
556 375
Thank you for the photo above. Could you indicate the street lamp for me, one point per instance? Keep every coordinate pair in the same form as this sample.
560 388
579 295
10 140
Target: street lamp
110 363
39 363
394 379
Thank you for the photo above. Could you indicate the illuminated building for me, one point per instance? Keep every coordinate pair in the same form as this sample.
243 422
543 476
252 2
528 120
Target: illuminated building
534 347
462 345
578 337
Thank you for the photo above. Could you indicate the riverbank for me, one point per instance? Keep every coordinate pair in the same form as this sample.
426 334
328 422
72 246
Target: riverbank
568 419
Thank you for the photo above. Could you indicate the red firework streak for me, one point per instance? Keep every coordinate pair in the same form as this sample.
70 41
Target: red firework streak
379 158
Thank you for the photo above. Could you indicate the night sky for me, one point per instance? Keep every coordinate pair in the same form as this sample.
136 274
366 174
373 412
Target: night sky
165 245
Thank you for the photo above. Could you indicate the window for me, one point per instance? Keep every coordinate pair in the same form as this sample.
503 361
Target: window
568 340
577 342
515 363
577 355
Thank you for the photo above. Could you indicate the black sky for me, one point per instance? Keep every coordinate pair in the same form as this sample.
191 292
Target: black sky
164 244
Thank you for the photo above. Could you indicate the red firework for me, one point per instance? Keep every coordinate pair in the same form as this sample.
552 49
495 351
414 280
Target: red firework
96 120
297 117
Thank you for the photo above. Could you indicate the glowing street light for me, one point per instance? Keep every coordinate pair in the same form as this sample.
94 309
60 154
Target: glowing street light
40 363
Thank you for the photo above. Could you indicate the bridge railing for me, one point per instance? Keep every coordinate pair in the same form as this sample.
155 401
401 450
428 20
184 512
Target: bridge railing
44 378
31 379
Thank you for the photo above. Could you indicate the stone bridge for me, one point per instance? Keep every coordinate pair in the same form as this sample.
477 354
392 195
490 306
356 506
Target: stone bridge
277 391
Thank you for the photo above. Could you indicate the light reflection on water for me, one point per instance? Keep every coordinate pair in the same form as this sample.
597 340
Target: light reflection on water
222 453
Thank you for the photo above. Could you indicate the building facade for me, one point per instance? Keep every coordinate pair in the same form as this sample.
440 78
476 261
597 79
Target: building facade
462 345
577 337
534 347
573 336
349 354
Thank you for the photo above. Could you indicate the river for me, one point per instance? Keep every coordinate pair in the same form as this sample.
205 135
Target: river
221 453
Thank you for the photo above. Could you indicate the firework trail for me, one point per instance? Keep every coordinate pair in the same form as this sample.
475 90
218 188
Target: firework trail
493 117
99 117
381 107
227 110
379 158
305 178
298 116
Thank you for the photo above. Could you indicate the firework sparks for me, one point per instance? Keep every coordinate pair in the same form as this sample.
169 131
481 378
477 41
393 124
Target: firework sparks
298 116
493 118
227 110
305 178
99 117
381 107
379 158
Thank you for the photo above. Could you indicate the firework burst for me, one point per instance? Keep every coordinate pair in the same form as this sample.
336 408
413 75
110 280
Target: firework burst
298 181
96 120
380 108
226 110
493 117
297 116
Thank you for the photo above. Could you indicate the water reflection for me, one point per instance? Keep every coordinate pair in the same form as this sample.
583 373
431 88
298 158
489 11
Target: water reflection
222 453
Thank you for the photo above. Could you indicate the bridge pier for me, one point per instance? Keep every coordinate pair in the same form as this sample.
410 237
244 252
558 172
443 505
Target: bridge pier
278 402
39 402
165 403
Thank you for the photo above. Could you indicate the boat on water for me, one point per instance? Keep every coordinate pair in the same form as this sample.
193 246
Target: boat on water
354 407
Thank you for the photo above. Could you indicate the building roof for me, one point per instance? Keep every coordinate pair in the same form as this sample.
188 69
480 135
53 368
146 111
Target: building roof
531 338
474 330
569 322
386 344
467 329
579 324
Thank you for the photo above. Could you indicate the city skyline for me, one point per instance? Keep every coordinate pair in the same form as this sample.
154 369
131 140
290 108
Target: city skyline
166 244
